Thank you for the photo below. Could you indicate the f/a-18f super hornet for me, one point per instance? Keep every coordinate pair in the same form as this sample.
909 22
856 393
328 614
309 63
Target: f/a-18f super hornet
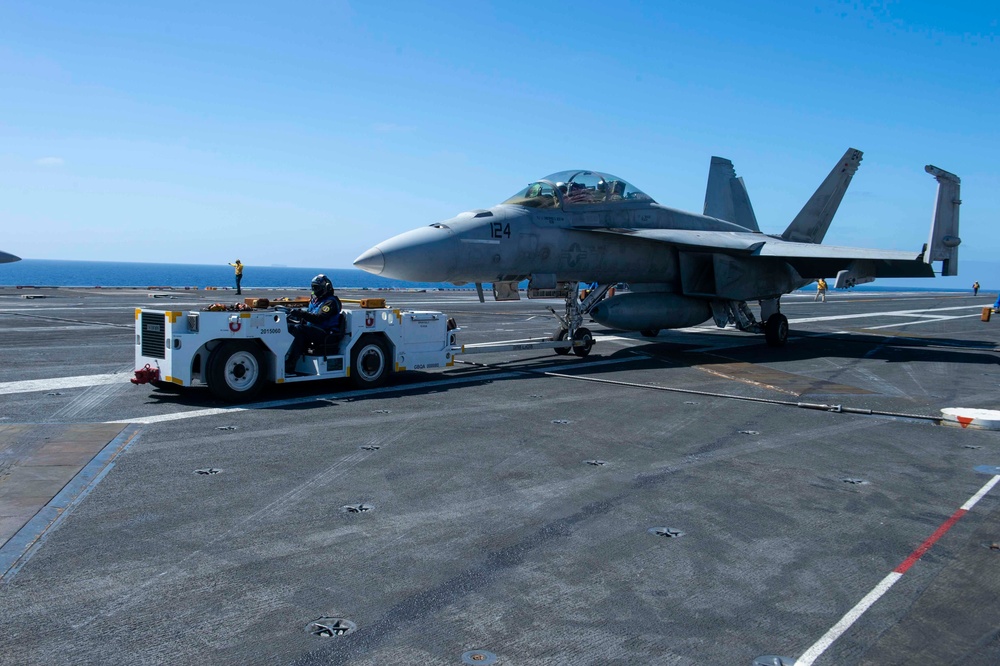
682 268
6 258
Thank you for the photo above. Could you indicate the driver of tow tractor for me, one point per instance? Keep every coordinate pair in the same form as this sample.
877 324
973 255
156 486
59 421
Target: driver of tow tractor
315 323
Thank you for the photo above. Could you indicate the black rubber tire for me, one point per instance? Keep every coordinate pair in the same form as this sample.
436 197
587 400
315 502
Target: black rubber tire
371 362
776 330
168 387
584 335
650 332
235 371
561 335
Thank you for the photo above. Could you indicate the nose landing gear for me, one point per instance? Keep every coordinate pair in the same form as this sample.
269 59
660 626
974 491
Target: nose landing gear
571 325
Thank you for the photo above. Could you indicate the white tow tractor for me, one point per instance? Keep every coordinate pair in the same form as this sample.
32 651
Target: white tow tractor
236 352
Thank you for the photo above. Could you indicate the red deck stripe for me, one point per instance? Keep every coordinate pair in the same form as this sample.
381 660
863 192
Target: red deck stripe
926 545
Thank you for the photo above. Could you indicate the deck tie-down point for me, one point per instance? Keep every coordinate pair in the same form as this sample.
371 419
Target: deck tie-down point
329 627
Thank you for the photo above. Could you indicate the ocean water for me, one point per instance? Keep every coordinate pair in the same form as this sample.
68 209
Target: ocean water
54 273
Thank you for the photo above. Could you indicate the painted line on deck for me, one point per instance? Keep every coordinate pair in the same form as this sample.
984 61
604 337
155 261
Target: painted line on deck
55 383
911 313
919 321
835 632
25 543
401 388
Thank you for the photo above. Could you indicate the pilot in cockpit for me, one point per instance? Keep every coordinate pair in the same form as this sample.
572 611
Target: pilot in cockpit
577 193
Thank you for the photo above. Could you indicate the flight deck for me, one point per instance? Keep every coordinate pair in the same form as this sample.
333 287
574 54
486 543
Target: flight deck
694 498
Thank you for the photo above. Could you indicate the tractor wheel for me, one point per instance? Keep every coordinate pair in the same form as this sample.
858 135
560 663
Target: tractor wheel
370 363
236 371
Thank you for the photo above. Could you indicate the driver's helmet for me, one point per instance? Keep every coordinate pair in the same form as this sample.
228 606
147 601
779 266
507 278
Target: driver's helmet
321 286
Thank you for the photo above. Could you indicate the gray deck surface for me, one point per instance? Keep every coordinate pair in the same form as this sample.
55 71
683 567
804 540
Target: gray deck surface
490 531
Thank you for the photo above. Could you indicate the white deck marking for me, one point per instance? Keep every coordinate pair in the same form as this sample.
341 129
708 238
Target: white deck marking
845 622
32 385
837 630
919 321
48 329
399 388
912 313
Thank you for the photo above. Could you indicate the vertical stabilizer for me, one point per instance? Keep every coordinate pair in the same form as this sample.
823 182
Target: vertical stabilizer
944 242
726 196
812 222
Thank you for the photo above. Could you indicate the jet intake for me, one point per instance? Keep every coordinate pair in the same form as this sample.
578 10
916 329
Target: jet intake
650 311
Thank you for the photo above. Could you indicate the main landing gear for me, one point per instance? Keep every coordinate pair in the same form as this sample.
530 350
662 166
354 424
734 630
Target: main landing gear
776 330
571 325
774 325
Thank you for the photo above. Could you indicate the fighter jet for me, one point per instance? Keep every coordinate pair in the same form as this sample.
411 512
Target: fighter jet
8 258
682 268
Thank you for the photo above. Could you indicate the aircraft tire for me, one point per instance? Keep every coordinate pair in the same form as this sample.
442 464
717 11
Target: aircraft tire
235 371
650 332
561 335
370 360
584 335
776 330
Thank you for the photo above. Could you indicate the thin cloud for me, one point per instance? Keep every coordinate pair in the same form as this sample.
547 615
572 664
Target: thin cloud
50 162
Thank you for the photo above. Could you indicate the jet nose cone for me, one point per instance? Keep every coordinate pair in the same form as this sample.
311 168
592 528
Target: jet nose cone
372 261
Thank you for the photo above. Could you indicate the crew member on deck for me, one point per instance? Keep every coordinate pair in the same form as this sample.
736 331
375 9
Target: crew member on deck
820 290
315 323
239 276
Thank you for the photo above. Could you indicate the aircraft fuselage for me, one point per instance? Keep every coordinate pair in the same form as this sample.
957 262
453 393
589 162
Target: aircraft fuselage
510 242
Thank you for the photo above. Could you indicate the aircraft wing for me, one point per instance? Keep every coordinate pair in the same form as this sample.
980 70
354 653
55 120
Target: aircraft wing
810 260
731 241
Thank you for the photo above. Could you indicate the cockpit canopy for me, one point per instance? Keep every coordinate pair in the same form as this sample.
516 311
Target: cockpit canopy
578 188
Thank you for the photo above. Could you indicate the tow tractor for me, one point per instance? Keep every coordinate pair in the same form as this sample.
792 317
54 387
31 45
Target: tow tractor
236 350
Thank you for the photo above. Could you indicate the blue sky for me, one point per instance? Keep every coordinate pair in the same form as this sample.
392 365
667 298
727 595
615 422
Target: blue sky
304 133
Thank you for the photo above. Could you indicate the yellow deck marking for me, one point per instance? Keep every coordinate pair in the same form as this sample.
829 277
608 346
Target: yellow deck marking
776 380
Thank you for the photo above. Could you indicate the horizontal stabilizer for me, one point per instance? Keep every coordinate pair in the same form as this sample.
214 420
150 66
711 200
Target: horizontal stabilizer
726 196
944 241
812 222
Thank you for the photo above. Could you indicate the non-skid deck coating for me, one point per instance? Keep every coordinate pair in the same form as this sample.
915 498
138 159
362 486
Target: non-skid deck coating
492 526
37 461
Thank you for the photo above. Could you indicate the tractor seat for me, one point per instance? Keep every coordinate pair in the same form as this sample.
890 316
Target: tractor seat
331 343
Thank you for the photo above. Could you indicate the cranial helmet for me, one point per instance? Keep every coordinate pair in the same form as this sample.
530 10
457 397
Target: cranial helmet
321 286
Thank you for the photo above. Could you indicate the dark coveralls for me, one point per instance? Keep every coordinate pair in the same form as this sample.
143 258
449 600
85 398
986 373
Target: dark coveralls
316 323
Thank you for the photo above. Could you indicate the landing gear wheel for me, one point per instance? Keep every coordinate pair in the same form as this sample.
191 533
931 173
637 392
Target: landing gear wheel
583 335
235 371
776 330
561 335
650 332
370 363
